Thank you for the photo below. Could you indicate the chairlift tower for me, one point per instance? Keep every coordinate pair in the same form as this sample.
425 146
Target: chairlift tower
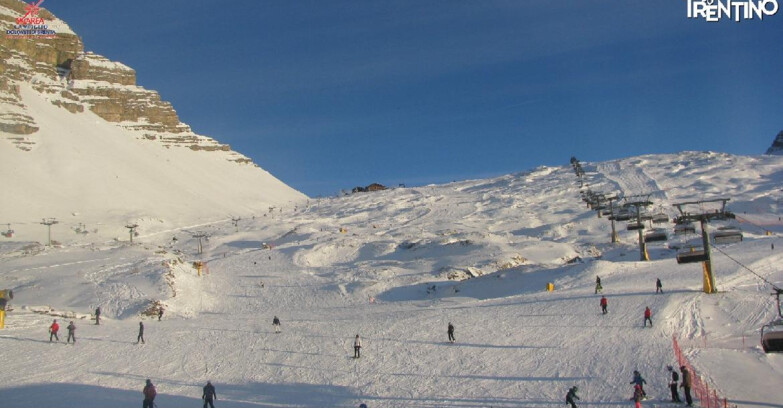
199 236
639 202
132 230
49 222
704 218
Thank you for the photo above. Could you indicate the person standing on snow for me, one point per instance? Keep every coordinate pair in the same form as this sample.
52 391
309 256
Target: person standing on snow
357 347
53 329
276 323
571 396
98 315
209 395
160 313
639 381
598 287
149 395
140 337
658 285
647 316
450 332
71 333
673 383
604 303
687 382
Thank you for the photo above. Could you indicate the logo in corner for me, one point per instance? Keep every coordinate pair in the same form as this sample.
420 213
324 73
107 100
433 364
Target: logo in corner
31 25
737 10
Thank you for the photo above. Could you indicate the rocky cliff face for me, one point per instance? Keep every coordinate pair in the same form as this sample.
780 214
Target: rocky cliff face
777 145
57 66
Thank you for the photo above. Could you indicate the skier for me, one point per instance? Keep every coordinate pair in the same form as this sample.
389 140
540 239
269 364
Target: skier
673 384
604 303
160 313
686 385
571 396
658 285
98 315
53 331
71 333
639 381
638 395
357 346
149 395
276 323
598 287
647 316
450 332
362 405
140 337
209 395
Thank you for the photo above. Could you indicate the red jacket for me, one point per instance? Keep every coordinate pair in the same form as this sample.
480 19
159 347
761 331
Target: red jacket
647 312
54 327
603 301
149 392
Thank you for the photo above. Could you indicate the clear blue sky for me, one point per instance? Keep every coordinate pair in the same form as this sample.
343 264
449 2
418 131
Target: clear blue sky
328 95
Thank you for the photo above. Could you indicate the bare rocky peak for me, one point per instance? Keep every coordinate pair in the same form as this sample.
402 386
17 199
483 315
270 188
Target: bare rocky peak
777 145
77 80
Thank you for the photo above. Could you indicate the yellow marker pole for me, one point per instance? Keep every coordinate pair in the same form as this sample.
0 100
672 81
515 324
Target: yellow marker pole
2 319
707 280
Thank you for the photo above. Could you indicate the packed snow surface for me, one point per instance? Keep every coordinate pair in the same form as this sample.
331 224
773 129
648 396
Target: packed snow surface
378 265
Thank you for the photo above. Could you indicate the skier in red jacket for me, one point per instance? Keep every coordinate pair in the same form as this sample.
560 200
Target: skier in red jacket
647 316
149 395
53 331
604 303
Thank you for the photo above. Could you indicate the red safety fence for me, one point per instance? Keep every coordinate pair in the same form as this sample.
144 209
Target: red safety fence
707 397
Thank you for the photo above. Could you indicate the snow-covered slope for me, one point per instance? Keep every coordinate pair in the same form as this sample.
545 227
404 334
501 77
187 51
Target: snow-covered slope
85 170
379 264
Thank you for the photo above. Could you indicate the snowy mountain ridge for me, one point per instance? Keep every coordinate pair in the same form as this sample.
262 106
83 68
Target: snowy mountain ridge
80 142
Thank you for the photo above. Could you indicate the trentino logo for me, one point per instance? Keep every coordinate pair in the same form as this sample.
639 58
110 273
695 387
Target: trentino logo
737 10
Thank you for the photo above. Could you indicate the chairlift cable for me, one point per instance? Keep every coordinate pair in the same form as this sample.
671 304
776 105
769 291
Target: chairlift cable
749 270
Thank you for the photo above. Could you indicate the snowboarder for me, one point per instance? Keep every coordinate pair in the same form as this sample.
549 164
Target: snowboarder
675 378
639 381
98 315
598 287
160 313
571 396
658 285
638 395
647 316
357 346
53 331
686 385
450 332
71 333
604 303
276 323
209 395
140 337
149 395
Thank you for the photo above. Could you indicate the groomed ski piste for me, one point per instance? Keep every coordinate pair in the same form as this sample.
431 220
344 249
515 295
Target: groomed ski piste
378 265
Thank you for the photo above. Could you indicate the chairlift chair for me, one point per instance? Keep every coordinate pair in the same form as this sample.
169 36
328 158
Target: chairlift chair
691 256
656 235
727 235
772 332
660 218
9 233
634 227
685 228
